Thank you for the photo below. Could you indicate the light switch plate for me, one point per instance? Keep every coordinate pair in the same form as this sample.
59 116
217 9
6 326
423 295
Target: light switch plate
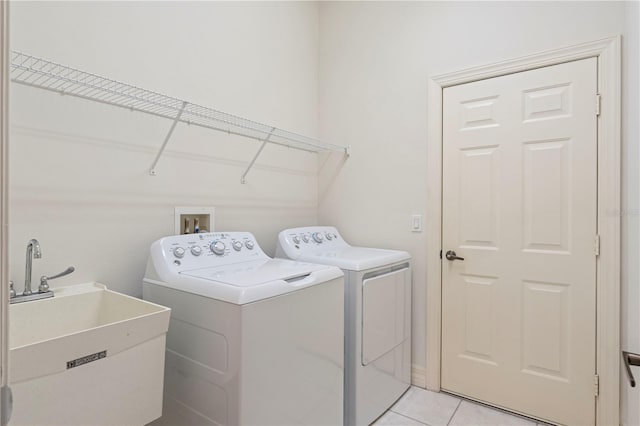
416 223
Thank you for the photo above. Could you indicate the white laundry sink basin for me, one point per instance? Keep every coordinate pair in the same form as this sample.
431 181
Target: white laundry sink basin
87 356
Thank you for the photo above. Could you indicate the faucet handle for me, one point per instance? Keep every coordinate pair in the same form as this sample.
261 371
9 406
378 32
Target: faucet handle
44 284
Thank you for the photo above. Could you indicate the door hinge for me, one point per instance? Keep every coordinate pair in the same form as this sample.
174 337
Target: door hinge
598 103
596 385
596 247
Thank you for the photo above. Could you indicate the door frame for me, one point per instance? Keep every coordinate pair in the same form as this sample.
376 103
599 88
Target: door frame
4 212
607 263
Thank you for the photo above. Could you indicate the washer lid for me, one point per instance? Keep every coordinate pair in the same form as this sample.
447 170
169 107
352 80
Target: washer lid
245 282
354 258
257 272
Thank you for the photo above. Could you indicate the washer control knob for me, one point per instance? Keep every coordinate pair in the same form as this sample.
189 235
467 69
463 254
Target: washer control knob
318 237
296 239
237 245
218 248
305 238
329 236
196 250
178 252
249 244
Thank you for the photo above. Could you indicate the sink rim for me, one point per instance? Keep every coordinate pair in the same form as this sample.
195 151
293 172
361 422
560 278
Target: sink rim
76 290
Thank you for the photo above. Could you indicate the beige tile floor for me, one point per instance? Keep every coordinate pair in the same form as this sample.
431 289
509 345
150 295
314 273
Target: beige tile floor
419 407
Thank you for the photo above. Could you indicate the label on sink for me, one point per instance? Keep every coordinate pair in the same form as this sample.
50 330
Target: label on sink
86 359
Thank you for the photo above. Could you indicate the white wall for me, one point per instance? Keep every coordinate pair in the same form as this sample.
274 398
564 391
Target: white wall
375 59
79 180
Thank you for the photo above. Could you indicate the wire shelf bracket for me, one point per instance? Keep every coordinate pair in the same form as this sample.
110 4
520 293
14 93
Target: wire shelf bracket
44 74
152 171
255 157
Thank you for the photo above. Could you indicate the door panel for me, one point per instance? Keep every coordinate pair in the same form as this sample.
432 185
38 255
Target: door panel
478 225
544 339
519 205
546 195
479 319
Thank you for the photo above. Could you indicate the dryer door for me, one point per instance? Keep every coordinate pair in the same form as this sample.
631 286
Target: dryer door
386 308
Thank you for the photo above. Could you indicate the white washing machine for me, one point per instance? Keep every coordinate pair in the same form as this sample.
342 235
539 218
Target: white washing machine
377 316
252 340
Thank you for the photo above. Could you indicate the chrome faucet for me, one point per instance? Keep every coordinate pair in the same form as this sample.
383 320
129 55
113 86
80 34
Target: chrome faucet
33 252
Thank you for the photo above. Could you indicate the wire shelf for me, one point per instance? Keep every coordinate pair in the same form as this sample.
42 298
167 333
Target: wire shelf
44 74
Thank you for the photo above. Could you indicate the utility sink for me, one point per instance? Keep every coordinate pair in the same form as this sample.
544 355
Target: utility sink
88 356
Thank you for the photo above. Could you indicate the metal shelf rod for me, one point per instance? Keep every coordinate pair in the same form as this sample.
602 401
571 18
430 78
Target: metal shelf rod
152 172
255 157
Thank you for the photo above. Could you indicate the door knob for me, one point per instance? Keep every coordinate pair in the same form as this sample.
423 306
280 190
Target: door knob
451 255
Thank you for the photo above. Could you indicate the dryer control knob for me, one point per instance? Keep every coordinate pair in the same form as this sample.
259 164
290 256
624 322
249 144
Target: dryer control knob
305 238
249 244
329 236
218 248
237 245
296 239
318 237
178 252
196 250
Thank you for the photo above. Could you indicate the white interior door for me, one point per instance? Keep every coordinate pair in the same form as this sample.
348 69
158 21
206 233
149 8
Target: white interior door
520 206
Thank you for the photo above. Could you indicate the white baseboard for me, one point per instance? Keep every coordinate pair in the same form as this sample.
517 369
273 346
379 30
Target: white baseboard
418 376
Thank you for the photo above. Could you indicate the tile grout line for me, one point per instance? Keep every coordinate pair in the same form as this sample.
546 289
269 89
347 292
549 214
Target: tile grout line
454 412
532 421
410 418
421 421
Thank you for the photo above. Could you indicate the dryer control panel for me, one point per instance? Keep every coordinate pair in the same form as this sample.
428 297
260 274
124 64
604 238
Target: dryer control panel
312 238
209 249
325 245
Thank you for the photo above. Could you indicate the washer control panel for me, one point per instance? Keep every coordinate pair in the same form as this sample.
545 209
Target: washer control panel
210 249
312 238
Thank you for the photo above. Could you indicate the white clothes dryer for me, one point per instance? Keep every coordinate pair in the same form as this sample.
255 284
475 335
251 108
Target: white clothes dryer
252 340
377 316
